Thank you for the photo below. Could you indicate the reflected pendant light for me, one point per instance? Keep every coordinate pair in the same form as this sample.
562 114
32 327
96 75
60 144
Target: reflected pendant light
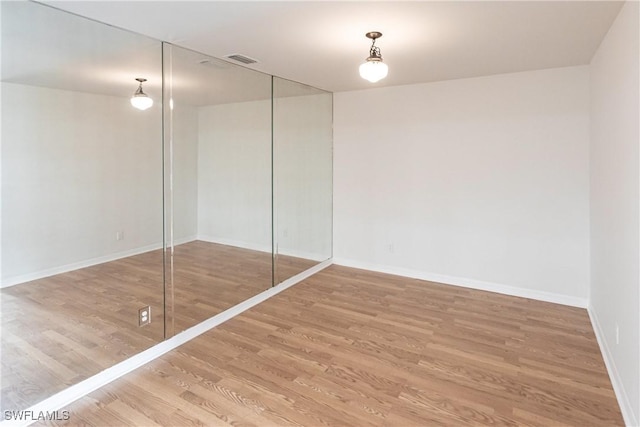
374 69
141 100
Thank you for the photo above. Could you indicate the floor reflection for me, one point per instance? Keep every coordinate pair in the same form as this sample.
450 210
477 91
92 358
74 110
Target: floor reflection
59 330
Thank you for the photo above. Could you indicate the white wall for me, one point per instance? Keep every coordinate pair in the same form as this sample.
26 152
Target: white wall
615 211
76 168
234 174
480 182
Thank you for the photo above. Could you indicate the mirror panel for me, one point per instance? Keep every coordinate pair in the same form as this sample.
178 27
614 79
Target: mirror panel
107 209
218 130
81 225
303 155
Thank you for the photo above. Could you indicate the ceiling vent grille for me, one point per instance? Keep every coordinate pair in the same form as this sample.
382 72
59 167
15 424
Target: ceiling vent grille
241 58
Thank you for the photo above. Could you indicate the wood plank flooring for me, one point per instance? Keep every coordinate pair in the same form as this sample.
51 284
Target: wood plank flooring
356 348
62 329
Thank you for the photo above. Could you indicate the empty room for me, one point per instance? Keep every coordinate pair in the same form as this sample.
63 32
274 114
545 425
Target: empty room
320 213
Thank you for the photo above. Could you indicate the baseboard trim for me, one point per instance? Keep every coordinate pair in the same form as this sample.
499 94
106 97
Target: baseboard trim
621 395
235 243
467 283
261 248
183 240
66 397
16 280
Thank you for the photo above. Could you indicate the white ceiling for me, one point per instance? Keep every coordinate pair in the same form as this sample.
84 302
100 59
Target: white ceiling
322 43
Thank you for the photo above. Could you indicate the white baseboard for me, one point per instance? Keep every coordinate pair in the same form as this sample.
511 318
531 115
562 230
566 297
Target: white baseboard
302 254
16 280
616 381
64 398
262 248
468 283
183 240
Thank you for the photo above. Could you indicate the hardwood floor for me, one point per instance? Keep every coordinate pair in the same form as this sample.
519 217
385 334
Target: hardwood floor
355 348
62 329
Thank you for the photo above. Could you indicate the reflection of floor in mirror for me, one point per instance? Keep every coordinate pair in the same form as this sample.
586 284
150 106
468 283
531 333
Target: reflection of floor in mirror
240 274
59 330
349 347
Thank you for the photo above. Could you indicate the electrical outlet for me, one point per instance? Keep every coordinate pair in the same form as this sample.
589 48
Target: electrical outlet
617 334
119 235
144 316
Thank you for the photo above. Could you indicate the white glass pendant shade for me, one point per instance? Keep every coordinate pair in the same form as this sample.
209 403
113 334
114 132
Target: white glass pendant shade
141 102
374 70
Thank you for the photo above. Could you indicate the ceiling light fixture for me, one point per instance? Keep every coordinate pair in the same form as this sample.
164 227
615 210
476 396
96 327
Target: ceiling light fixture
141 100
374 69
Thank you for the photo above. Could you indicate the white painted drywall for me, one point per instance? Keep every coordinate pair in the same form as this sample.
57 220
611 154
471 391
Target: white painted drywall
234 174
479 181
615 204
76 169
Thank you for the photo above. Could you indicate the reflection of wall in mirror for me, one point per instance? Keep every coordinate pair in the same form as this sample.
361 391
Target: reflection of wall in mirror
303 144
80 168
234 175
77 170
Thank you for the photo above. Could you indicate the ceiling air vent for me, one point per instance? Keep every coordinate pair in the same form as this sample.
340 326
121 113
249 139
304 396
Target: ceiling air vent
241 58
